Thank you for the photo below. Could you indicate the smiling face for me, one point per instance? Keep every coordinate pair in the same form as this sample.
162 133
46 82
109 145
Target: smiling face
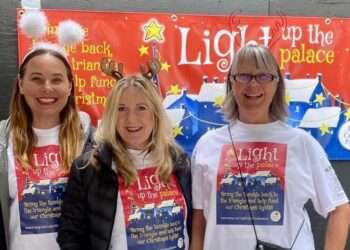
253 98
46 89
135 120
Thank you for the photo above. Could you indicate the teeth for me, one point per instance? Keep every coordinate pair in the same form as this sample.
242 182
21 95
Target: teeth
46 100
253 96
133 129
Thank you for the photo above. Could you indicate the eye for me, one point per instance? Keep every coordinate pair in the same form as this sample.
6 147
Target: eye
57 80
265 77
121 108
142 108
35 79
243 77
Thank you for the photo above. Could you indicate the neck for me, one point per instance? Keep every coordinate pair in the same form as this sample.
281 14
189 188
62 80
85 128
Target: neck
255 118
45 122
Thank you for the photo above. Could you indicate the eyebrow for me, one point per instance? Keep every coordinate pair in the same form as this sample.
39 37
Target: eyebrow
137 104
40 74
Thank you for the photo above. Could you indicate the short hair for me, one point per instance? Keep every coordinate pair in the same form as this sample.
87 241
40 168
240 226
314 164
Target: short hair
161 144
263 58
21 119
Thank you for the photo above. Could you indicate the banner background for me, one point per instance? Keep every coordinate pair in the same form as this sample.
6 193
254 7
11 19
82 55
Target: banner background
196 52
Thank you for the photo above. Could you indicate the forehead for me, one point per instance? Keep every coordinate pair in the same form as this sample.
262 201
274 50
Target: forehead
46 62
132 95
255 61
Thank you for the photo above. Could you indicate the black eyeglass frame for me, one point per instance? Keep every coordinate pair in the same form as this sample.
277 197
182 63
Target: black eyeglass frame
272 77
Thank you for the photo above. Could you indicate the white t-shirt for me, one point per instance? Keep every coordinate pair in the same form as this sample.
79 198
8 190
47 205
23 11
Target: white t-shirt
281 169
36 196
150 215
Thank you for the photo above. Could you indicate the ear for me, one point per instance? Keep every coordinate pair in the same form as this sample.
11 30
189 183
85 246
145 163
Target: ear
70 88
20 85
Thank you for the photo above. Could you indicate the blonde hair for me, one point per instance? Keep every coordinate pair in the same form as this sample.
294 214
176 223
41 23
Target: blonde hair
161 145
264 59
20 121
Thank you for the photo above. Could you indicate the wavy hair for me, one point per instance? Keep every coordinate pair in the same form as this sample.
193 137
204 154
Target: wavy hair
21 120
264 59
161 145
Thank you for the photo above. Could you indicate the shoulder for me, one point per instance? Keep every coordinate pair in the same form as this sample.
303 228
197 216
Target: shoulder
213 135
85 121
180 159
301 139
301 134
101 155
88 130
4 125
3 131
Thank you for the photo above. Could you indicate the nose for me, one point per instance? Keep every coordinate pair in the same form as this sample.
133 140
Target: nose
131 116
47 86
253 80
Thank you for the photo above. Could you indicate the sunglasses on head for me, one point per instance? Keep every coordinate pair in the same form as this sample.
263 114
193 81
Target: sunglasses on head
261 78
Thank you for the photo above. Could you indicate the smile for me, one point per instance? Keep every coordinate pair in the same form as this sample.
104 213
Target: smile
46 100
253 95
133 129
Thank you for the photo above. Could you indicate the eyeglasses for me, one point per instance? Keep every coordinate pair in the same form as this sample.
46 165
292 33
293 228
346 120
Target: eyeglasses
261 78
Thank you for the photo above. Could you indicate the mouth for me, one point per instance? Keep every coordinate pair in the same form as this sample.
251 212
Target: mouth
133 129
253 96
46 100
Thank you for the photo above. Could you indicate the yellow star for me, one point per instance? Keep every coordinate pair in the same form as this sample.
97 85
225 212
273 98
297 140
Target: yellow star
165 66
175 90
153 31
324 129
177 131
319 98
218 101
143 50
347 114
288 98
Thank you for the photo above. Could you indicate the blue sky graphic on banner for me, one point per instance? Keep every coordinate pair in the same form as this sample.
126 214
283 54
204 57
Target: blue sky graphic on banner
310 107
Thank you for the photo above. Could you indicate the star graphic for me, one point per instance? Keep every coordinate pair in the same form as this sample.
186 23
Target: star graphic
324 129
347 114
319 98
174 89
153 31
218 101
143 50
287 98
165 66
177 131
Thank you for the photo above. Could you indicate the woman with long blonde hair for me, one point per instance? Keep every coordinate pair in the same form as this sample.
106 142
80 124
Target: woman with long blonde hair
38 143
133 190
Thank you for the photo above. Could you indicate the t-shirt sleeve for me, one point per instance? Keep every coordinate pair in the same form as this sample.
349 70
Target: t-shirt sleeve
197 181
329 192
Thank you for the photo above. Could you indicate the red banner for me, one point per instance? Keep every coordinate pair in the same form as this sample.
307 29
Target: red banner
198 49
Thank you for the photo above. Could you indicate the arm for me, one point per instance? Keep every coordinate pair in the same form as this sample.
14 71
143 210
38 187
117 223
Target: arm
337 228
72 233
198 230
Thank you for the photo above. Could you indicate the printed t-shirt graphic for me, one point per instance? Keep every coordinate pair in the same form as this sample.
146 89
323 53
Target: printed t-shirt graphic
154 212
40 191
262 167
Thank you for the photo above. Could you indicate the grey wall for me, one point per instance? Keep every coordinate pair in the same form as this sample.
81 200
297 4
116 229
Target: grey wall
8 40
